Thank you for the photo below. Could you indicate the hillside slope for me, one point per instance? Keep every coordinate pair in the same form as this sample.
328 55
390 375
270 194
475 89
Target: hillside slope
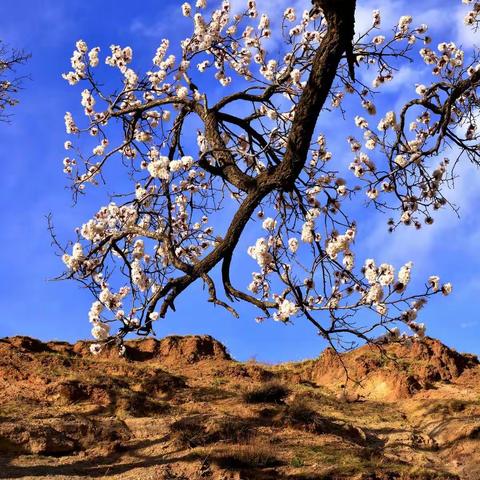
182 408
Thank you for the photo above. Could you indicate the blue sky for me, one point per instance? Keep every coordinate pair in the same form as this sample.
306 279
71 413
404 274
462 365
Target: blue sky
33 185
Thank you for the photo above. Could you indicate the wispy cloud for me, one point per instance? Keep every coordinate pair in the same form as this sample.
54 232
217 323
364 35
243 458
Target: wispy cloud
470 324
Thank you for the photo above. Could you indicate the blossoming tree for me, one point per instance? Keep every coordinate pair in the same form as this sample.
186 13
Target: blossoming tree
258 156
9 83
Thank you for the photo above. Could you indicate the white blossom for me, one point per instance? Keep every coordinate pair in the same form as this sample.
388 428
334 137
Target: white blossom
269 224
286 309
100 331
186 9
95 348
404 273
293 244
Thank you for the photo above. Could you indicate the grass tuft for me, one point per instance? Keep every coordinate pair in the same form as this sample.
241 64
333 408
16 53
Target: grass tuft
254 454
271 392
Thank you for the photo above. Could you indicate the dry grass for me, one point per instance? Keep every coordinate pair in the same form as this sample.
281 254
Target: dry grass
161 383
199 430
230 429
190 432
300 414
256 453
448 407
271 392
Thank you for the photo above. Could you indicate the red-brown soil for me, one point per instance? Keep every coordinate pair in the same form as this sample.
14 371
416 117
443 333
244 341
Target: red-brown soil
182 408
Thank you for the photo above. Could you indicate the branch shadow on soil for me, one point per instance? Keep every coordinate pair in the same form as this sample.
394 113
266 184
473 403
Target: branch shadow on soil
95 467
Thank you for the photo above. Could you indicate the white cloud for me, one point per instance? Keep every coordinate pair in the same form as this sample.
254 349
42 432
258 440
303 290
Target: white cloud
470 324
389 14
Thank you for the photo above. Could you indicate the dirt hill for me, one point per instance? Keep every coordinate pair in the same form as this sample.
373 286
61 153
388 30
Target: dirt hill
182 408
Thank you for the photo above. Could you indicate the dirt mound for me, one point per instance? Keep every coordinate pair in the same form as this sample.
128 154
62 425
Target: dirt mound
27 344
170 350
391 372
177 349
238 370
60 436
55 377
